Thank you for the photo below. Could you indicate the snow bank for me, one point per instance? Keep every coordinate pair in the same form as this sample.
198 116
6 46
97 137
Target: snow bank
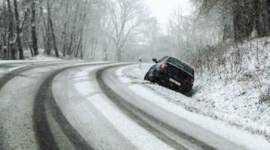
43 57
232 86
235 103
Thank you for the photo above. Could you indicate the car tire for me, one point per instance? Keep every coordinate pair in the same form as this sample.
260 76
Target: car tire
152 78
185 90
188 89
149 78
146 76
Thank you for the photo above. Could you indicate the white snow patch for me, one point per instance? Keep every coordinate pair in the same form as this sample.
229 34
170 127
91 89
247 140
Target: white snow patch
43 57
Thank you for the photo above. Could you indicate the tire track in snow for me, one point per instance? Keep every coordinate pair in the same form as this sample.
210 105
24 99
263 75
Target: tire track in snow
130 110
9 76
3 81
43 132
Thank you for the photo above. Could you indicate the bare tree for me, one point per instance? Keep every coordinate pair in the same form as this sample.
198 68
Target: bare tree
127 18
64 33
4 31
18 29
50 39
241 18
10 47
76 26
33 28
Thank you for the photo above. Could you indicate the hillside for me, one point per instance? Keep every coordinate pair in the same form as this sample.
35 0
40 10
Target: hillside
232 87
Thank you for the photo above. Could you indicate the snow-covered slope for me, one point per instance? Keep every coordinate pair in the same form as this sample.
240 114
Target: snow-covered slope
233 90
234 84
204 109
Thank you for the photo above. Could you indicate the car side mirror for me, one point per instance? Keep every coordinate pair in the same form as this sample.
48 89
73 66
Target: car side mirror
154 60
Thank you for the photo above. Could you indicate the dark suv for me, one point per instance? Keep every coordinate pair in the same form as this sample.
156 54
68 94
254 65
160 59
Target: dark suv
172 73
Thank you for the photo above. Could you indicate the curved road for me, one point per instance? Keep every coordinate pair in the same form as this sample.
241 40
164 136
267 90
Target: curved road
82 105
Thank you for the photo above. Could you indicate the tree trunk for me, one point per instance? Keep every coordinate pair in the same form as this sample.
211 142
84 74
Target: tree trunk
18 30
4 47
105 48
70 50
262 18
5 34
54 41
227 17
64 34
48 34
33 29
119 53
10 47
241 20
72 39
79 42
268 10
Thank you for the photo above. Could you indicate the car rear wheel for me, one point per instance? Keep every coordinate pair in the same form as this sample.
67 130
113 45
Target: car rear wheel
185 89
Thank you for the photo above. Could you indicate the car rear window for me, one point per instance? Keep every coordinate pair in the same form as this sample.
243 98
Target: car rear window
181 65
162 59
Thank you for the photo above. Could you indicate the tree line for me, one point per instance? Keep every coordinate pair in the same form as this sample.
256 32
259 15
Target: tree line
119 29
87 29
241 19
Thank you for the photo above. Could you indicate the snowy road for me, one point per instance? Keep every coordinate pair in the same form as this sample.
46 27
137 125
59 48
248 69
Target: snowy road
81 105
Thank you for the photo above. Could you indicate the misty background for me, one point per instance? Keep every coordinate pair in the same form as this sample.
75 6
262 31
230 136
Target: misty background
124 30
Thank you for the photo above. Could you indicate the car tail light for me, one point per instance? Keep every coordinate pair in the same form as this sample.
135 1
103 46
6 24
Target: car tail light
165 66
191 81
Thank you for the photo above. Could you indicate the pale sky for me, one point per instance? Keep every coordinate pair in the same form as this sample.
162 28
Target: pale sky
163 8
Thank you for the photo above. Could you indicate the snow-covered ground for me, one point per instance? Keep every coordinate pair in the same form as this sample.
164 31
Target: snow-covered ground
43 57
232 88
236 89
240 119
238 98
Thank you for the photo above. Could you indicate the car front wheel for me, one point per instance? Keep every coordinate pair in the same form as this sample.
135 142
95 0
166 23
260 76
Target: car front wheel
149 77
146 76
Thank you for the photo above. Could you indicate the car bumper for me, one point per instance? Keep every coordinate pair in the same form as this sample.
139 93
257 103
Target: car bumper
168 81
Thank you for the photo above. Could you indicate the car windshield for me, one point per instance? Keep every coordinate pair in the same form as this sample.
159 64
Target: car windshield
181 65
